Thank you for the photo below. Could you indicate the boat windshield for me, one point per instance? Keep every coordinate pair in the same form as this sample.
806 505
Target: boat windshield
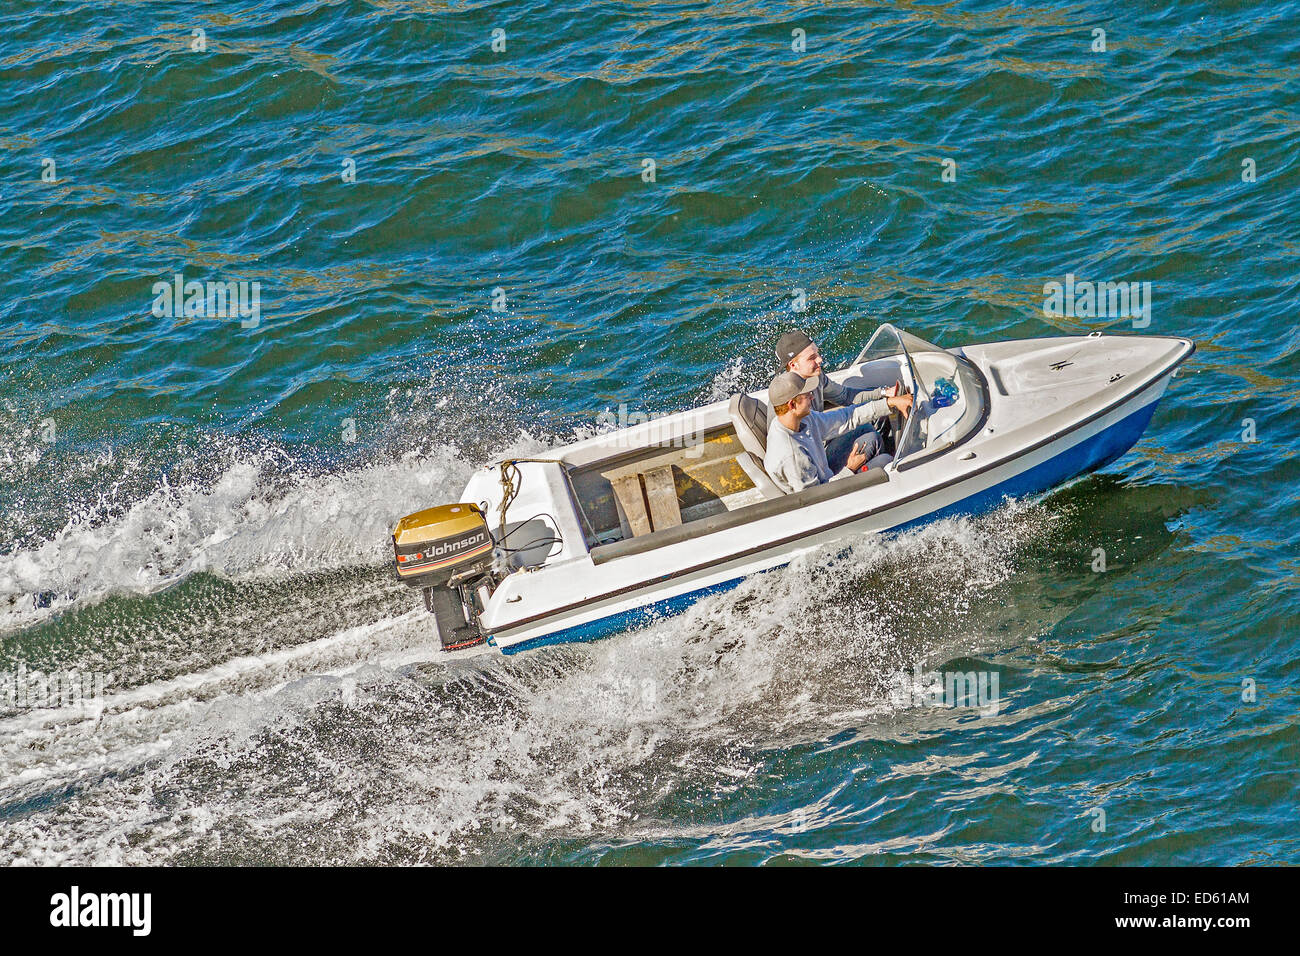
949 393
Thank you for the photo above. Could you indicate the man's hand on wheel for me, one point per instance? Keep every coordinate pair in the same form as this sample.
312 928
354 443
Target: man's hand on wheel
901 403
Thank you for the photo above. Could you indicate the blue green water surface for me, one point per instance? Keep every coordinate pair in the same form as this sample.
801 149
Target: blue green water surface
461 252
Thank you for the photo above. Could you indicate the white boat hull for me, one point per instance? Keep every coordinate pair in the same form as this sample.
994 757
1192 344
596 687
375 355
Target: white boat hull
1038 471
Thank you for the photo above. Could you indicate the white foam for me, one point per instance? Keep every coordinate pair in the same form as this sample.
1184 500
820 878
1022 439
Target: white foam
340 750
125 728
246 523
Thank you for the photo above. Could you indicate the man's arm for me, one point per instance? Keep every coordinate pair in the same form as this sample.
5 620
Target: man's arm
788 466
837 421
833 393
798 472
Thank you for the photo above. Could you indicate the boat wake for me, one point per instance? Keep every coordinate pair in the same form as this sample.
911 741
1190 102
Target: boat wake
292 690
254 519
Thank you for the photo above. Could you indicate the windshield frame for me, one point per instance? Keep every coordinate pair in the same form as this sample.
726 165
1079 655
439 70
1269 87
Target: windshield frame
886 328
896 341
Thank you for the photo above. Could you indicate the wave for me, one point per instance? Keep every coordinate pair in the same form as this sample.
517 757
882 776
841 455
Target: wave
454 757
250 520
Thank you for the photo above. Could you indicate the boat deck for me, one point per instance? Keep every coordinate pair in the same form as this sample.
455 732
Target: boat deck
654 488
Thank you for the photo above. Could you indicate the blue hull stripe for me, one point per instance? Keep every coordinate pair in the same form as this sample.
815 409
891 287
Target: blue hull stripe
1088 455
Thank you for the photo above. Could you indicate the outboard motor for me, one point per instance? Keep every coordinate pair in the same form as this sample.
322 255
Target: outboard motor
447 552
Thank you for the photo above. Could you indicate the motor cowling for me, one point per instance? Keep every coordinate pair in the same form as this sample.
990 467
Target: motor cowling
434 546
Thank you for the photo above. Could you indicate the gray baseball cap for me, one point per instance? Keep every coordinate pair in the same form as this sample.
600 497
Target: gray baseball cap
787 385
791 344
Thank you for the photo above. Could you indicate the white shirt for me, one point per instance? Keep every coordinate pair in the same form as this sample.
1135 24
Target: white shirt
797 460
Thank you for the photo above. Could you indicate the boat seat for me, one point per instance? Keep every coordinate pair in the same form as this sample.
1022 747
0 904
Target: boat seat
753 468
661 496
749 418
646 499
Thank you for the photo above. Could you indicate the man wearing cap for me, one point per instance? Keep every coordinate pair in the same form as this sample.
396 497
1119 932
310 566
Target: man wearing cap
797 434
796 352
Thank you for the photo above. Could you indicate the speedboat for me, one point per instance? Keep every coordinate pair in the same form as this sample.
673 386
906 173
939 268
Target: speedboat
615 530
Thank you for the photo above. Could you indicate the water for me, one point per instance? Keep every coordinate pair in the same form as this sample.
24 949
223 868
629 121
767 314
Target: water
196 508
